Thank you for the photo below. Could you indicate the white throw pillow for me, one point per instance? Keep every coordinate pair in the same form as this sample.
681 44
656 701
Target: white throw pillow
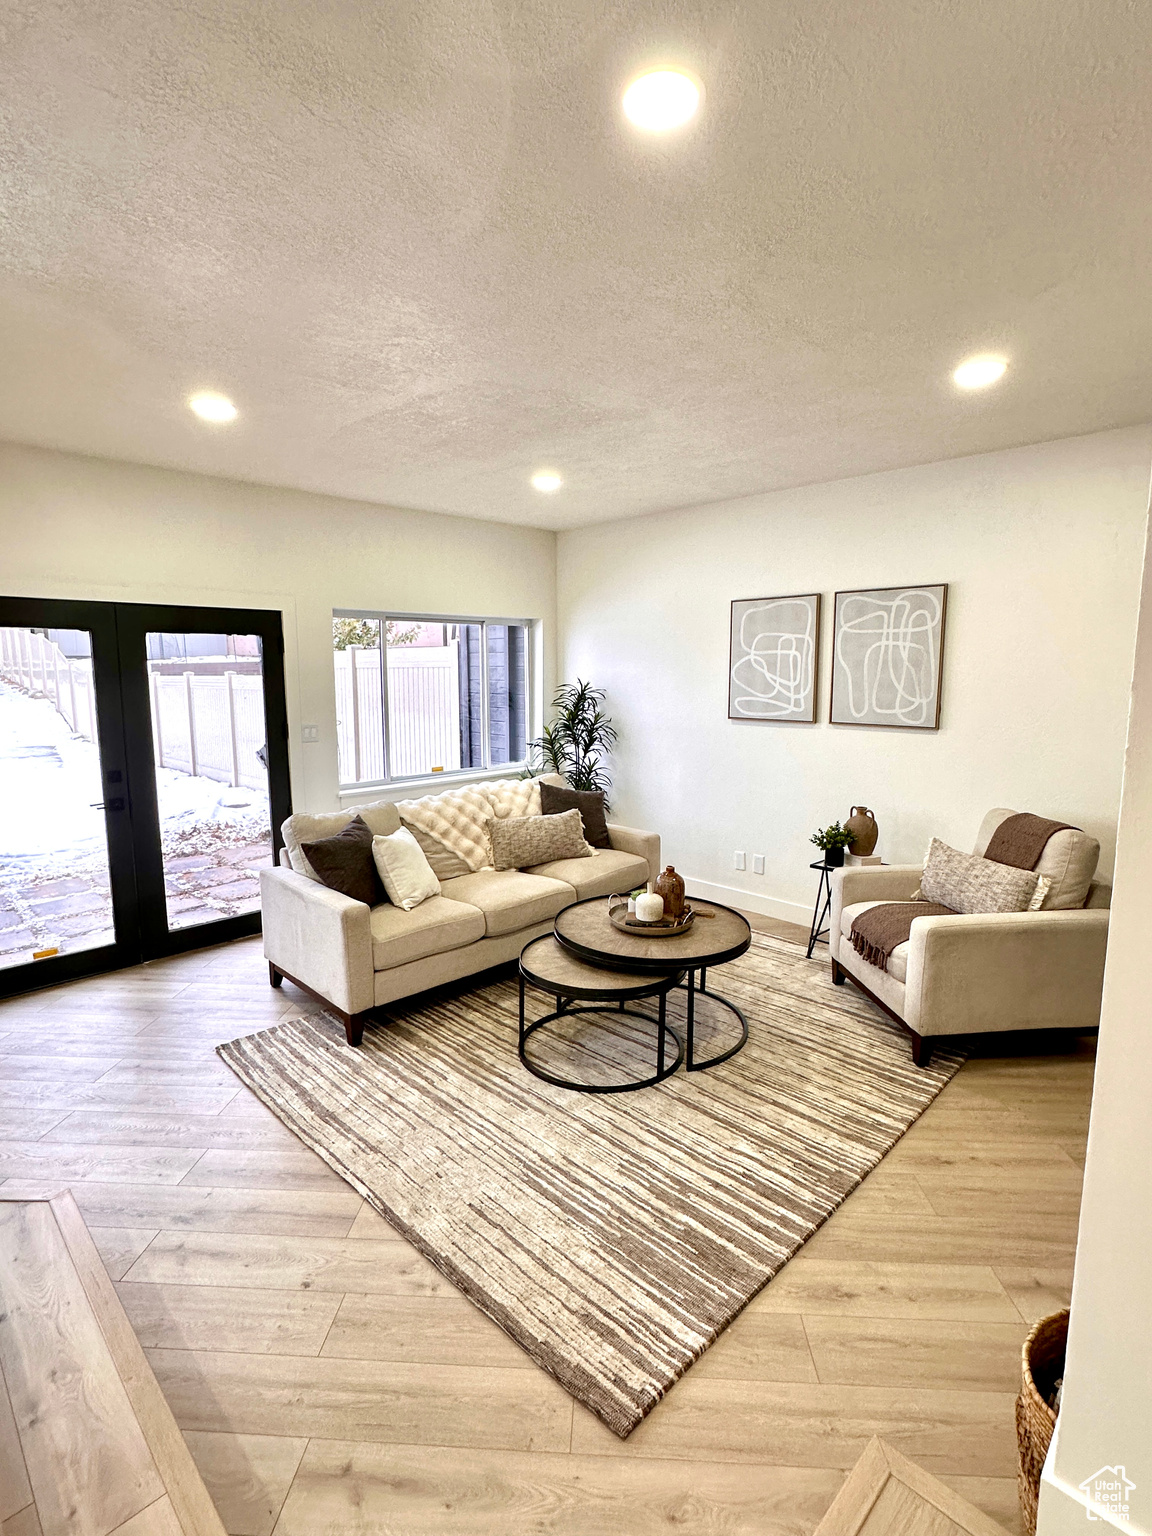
406 873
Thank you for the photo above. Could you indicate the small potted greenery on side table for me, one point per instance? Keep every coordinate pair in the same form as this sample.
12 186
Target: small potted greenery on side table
832 842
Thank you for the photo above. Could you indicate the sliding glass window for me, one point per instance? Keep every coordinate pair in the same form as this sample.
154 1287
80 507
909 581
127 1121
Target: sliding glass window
420 695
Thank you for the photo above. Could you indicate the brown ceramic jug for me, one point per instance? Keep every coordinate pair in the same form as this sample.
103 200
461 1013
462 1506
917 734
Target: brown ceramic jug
671 887
864 831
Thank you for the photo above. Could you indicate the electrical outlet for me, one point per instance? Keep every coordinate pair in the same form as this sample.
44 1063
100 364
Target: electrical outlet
309 733
738 861
757 863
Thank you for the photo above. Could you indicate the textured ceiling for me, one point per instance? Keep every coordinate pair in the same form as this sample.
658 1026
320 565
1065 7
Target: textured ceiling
419 246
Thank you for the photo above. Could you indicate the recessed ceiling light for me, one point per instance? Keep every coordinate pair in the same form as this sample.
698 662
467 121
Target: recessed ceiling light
661 99
979 372
210 406
547 480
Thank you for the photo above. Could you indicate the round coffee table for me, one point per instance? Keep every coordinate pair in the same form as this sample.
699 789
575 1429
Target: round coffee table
548 965
584 929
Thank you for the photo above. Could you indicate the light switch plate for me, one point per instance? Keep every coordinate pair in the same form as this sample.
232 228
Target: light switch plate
309 733
738 861
757 863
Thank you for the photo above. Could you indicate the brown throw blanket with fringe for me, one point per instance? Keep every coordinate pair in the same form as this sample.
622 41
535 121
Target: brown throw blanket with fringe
1020 840
876 933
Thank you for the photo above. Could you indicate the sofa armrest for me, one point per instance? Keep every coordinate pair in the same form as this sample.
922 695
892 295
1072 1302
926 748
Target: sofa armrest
319 936
645 845
868 882
1006 970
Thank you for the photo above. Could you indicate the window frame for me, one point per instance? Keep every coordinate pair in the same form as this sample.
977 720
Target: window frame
386 616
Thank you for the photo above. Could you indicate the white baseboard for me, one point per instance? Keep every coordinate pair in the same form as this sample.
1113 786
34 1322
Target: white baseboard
751 901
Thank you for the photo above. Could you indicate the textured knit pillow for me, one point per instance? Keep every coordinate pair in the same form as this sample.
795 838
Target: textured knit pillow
344 862
520 842
967 883
406 873
590 804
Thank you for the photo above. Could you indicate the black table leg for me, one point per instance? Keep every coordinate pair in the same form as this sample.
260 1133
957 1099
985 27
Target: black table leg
662 1012
821 910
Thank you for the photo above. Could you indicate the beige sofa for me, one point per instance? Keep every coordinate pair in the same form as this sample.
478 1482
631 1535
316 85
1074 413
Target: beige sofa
356 958
977 974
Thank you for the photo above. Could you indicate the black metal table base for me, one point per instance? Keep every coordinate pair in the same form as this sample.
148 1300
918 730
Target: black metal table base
701 990
664 1031
819 933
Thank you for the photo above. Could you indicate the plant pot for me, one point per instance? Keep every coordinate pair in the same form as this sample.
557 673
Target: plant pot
834 858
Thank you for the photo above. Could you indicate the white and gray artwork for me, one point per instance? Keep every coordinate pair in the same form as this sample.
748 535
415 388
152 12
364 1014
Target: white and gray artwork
772 658
886 657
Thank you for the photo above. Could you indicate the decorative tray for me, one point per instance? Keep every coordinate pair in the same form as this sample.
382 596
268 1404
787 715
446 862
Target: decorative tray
665 929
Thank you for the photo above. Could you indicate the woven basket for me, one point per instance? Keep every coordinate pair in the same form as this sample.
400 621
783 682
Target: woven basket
1043 1365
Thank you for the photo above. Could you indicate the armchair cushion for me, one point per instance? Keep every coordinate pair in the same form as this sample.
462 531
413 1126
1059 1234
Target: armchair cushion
968 883
897 966
1068 862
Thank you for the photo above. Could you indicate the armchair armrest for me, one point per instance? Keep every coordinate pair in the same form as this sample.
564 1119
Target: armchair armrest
646 845
1006 970
868 882
319 936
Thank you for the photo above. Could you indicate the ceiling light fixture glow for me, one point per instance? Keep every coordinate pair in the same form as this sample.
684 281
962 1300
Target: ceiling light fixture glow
546 480
210 406
661 99
979 372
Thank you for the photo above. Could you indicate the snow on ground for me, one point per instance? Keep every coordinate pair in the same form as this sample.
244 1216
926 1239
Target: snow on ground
54 887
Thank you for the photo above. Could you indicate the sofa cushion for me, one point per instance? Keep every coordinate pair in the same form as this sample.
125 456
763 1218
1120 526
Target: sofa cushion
1068 862
510 899
381 817
897 960
607 873
431 928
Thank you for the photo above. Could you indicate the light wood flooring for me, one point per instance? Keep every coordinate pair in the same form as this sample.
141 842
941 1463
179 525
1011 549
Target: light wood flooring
328 1380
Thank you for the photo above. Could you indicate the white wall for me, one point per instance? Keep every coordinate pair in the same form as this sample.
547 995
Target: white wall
81 527
1106 1413
1041 548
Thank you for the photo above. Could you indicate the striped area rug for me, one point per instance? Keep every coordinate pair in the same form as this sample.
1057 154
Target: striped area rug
612 1237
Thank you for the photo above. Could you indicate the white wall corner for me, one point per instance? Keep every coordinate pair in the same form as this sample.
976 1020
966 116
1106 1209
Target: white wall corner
1066 1510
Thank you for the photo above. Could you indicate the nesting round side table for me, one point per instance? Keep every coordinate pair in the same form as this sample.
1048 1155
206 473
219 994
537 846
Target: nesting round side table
582 988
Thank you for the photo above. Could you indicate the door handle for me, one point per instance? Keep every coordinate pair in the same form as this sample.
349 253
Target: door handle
107 805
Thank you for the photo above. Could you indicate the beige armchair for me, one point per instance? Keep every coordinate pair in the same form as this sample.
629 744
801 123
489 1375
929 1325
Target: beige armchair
977 974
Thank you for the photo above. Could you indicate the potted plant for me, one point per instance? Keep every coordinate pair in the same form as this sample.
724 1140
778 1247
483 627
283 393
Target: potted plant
578 741
832 841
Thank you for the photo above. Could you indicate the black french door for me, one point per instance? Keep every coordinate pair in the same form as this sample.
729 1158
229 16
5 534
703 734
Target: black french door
143 781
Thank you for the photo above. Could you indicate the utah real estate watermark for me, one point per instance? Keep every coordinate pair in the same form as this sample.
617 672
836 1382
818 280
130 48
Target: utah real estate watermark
1107 1493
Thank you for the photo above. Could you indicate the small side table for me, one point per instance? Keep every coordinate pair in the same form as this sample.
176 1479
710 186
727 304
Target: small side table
819 931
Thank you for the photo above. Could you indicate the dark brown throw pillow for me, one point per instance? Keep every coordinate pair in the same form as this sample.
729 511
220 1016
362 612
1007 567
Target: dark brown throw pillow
590 804
345 863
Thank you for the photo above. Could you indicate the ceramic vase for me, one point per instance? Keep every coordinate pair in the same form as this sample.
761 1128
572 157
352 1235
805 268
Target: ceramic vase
650 907
670 886
864 830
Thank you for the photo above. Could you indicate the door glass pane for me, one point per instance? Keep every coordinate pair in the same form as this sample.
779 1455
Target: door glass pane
211 753
55 893
434 699
507 693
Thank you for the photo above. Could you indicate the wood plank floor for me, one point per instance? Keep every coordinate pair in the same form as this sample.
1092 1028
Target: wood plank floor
328 1380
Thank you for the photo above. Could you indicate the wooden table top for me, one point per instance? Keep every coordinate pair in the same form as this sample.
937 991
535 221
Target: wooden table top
584 929
556 969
